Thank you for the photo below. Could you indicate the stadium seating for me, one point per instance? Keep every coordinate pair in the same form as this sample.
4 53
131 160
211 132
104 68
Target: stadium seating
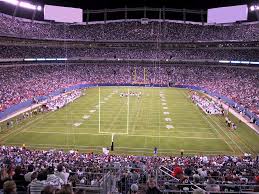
56 168
21 83
9 52
35 169
131 30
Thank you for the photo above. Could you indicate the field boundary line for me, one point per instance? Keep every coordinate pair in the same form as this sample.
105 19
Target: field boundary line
241 140
136 116
128 102
151 126
173 130
21 129
113 120
213 127
110 133
130 135
99 110
222 130
137 131
228 136
119 147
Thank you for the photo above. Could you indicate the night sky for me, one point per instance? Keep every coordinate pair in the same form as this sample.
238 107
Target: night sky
101 4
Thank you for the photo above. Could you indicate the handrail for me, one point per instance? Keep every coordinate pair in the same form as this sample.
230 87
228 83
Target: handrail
161 168
169 172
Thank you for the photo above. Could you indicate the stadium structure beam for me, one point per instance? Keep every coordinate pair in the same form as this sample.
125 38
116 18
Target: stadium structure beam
202 17
163 12
15 11
126 12
184 15
33 15
105 15
87 16
145 12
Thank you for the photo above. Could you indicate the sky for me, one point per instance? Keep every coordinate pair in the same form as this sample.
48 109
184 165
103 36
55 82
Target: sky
102 4
189 4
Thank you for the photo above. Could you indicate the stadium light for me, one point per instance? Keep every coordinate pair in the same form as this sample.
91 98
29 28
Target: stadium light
13 2
235 62
29 59
61 59
40 59
50 59
23 4
39 8
244 62
254 63
27 5
254 7
224 61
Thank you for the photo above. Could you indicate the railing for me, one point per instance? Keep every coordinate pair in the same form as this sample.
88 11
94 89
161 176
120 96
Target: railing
224 188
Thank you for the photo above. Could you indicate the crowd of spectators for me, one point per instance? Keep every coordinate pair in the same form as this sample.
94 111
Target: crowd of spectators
129 30
20 83
9 52
39 169
207 105
48 171
62 100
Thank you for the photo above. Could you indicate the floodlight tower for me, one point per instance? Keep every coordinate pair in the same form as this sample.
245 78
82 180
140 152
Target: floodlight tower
23 4
255 8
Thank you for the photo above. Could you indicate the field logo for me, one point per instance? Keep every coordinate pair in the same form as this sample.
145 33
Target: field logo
77 124
86 116
169 126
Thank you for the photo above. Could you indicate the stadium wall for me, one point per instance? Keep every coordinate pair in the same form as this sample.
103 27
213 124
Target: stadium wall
15 108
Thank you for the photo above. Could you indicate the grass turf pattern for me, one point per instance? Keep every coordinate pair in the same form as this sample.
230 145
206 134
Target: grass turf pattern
162 117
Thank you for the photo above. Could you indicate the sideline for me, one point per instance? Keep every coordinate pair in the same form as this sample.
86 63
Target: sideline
23 111
236 114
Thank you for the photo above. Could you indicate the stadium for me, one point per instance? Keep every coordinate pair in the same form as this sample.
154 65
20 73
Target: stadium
129 97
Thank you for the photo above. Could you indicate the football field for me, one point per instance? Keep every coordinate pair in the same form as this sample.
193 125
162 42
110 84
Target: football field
164 118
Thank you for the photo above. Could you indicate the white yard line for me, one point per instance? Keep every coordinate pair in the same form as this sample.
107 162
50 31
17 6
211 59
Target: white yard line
99 110
223 130
115 118
130 135
137 115
21 129
212 127
118 147
228 136
192 132
128 112
237 115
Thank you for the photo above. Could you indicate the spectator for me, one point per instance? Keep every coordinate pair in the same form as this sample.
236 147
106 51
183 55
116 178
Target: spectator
152 188
134 189
53 179
38 182
9 187
61 174
49 189
27 176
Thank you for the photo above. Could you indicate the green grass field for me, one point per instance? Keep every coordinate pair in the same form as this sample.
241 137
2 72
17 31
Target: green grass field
137 125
